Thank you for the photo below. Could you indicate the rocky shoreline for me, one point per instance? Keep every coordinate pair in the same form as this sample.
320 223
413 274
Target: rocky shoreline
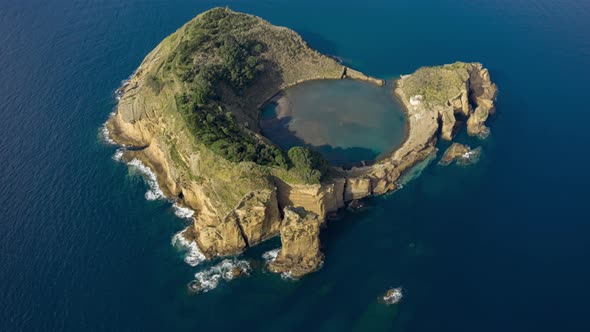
238 205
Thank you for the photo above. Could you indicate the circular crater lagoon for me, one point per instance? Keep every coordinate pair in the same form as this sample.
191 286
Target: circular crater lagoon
346 121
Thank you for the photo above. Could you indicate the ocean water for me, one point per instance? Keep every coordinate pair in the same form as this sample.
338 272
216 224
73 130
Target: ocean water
347 121
502 245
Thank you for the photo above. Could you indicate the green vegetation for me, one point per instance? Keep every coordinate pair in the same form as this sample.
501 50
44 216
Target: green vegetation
232 61
437 85
310 165
215 56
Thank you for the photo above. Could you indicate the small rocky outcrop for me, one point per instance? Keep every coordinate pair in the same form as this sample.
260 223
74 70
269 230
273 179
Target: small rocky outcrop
300 251
461 153
392 296
456 150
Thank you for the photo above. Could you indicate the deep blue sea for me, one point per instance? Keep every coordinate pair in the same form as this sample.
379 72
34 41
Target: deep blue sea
503 245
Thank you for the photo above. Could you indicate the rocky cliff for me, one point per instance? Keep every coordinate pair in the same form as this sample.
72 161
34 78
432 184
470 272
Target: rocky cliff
238 204
452 93
300 250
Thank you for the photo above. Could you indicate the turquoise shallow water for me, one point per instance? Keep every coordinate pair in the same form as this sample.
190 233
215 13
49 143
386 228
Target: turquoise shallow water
500 246
347 121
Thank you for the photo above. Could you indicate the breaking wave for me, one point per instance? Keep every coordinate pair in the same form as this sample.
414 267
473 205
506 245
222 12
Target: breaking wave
193 256
227 270
182 212
287 276
105 134
154 193
118 156
393 296
119 92
470 157
270 255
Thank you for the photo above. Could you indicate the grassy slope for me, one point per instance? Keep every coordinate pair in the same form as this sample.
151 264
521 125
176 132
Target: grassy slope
437 84
286 60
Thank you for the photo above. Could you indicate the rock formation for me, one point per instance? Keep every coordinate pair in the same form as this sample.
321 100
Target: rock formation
237 204
300 243
456 150
452 92
461 153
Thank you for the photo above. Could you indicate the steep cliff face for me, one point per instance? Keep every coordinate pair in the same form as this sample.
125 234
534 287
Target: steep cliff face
483 94
320 199
300 243
257 216
453 92
238 204
255 219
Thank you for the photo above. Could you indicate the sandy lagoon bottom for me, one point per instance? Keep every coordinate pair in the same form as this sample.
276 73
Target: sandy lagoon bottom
347 121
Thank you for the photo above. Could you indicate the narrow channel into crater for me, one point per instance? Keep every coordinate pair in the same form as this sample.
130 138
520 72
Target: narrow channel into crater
346 121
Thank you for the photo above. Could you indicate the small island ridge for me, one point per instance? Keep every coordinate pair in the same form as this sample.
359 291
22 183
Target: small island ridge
191 111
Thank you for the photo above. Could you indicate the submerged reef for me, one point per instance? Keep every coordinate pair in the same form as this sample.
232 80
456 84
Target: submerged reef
190 113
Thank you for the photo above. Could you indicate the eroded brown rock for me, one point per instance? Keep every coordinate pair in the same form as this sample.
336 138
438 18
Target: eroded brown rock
255 219
257 216
220 238
461 153
300 251
483 93
456 150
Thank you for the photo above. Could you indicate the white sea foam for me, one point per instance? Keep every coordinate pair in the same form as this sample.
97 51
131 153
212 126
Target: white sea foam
470 157
154 192
193 255
270 255
119 92
182 212
105 134
118 156
393 296
227 270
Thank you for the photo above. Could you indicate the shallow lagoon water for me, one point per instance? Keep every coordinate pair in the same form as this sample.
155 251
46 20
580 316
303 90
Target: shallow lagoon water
498 246
347 121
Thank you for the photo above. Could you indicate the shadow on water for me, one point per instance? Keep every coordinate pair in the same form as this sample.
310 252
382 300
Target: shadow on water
278 129
349 122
